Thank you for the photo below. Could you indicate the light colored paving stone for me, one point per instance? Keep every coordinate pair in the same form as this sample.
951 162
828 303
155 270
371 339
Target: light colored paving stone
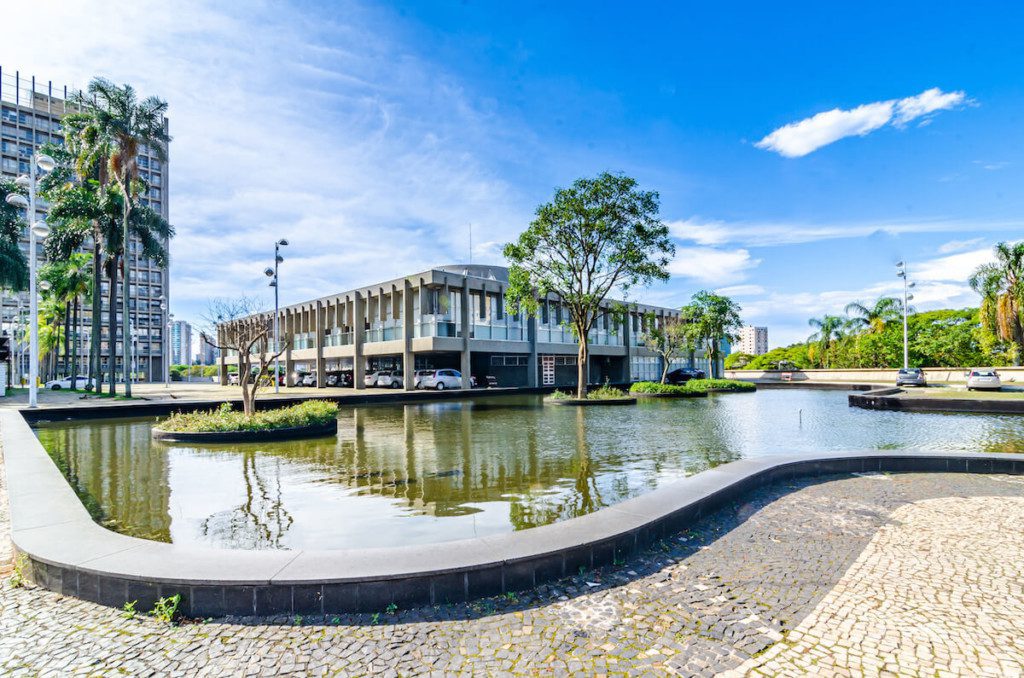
695 605
938 591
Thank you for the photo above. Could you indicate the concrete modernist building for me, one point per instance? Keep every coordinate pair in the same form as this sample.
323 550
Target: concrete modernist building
30 115
454 317
181 343
753 340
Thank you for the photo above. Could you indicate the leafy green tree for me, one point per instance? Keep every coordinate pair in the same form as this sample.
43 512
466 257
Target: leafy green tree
710 318
737 361
116 128
875 318
70 284
13 262
669 339
598 235
1001 286
830 329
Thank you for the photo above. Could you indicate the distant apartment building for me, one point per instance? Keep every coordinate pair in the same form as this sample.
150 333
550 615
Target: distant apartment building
30 116
454 317
181 343
753 340
207 354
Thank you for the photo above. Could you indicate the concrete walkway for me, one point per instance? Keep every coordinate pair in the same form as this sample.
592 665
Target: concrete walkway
916 574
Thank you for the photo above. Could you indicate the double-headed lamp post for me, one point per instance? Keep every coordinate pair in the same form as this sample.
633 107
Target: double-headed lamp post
39 229
901 272
272 274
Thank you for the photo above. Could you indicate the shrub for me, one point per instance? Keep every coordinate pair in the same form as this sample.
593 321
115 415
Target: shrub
308 413
605 392
653 387
720 385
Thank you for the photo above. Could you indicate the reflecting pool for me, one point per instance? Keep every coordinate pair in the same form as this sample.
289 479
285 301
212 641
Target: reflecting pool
406 474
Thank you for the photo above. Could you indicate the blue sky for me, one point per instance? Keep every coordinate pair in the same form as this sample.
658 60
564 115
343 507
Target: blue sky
799 154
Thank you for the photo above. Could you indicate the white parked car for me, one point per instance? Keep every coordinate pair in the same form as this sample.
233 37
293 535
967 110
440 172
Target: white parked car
983 379
81 381
420 376
309 379
390 379
442 379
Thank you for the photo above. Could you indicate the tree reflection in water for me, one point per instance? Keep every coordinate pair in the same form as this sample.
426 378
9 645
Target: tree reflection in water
262 521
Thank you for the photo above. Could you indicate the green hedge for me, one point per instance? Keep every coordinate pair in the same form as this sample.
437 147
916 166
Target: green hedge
308 413
692 386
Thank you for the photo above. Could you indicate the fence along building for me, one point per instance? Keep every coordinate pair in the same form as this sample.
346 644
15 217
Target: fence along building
455 317
30 116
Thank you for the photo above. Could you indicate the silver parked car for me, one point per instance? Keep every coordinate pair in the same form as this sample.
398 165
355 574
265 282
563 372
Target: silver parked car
442 379
390 379
911 376
420 376
983 379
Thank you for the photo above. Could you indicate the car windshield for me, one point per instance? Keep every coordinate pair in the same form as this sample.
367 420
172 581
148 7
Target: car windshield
984 373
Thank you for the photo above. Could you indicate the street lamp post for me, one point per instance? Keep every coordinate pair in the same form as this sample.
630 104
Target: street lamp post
901 272
273 275
40 230
166 343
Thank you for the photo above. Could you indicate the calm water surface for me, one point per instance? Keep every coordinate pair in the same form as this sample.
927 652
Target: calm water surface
441 471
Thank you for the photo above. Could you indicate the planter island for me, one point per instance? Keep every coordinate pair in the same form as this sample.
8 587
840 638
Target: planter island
310 419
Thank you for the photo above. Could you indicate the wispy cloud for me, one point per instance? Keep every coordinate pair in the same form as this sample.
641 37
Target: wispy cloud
799 138
711 266
959 245
710 232
324 129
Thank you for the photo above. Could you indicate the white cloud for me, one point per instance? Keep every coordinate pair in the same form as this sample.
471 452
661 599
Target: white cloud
321 129
958 245
741 290
954 267
769 234
710 266
797 139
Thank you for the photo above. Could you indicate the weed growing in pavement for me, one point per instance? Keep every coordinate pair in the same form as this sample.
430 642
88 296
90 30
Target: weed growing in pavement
166 609
128 611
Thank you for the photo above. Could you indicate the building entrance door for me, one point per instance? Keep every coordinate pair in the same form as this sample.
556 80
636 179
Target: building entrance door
547 370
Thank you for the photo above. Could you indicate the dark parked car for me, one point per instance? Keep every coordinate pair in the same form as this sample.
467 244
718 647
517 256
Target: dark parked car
911 376
684 374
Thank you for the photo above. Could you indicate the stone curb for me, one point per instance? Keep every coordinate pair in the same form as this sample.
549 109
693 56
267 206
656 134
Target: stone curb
73 555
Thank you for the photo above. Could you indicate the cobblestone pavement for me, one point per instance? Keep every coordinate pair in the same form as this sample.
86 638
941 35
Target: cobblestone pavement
921 570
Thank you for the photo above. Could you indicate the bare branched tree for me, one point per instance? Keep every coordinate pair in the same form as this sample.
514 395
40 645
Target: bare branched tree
241 325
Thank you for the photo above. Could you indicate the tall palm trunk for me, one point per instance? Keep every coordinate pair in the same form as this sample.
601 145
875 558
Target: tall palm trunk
67 335
74 343
95 370
112 326
126 345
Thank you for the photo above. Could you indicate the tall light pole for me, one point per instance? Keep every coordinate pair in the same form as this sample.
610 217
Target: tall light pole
273 275
166 343
901 272
39 229
170 325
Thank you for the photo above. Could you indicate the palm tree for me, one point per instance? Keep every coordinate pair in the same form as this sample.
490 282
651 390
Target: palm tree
13 262
830 328
70 283
875 318
119 127
1001 286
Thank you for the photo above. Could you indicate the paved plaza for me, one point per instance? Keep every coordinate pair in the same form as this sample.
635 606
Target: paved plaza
904 574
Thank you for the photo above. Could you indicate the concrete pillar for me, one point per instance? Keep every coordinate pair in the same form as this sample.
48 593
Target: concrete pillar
358 339
627 340
465 365
408 332
289 333
319 333
532 368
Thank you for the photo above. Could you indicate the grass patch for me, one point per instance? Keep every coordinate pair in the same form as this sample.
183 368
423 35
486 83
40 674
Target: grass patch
655 388
308 413
605 392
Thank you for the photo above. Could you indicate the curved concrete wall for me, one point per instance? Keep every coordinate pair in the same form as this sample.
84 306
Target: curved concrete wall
72 554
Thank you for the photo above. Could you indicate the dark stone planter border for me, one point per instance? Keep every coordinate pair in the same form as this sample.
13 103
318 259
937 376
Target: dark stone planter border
576 402
293 433
888 399
694 394
70 553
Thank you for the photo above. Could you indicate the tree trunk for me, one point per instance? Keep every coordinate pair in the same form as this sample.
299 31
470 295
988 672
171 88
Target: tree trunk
112 326
67 337
96 320
74 343
582 367
126 345
244 374
664 367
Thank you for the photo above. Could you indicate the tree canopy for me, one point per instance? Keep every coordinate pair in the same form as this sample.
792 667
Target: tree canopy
598 235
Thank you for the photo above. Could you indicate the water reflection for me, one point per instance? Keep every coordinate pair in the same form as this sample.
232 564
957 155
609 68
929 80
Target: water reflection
441 471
